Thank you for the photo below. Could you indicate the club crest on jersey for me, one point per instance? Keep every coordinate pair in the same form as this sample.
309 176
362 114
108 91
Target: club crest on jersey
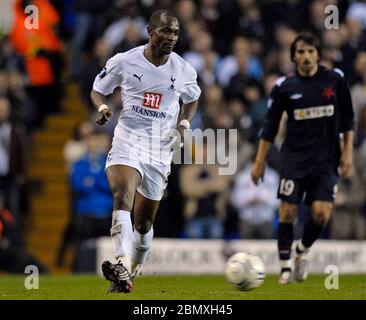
172 79
152 100
328 92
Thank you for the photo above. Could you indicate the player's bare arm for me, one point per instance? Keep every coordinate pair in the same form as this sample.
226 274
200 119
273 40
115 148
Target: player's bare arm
186 116
346 161
100 102
189 111
259 163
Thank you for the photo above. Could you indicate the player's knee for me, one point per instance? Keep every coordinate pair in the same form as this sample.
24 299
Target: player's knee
321 218
143 227
123 199
287 214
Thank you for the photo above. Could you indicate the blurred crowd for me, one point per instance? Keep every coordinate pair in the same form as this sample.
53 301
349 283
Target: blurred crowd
238 48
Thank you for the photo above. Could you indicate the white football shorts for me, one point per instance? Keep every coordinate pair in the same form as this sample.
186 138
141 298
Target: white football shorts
154 174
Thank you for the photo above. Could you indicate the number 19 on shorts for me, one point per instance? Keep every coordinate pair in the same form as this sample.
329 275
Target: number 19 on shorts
287 187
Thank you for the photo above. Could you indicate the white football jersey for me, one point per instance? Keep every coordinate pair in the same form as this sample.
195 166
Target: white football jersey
150 95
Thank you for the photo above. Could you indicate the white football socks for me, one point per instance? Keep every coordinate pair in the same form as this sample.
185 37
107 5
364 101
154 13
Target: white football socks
122 234
140 247
303 250
286 264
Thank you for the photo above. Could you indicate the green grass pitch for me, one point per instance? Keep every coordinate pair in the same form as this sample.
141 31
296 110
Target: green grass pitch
87 287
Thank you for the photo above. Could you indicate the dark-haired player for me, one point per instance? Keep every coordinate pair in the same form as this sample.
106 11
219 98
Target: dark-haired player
320 117
152 79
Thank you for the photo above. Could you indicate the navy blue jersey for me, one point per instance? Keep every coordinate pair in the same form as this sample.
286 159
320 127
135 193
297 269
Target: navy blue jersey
319 108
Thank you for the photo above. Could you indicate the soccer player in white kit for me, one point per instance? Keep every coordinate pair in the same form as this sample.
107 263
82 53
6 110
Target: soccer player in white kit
152 79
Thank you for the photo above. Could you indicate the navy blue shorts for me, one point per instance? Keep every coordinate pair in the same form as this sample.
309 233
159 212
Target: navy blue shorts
309 189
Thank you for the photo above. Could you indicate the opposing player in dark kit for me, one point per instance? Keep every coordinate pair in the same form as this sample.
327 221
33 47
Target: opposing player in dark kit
318 146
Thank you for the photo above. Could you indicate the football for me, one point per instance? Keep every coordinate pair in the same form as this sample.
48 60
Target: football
245 271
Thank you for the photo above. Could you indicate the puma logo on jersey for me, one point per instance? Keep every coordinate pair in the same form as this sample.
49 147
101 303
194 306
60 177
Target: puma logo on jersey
296 96
152 100
138 77
103 73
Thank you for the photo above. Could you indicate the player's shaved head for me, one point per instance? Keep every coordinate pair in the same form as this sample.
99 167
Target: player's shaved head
163 32
160 16
4 109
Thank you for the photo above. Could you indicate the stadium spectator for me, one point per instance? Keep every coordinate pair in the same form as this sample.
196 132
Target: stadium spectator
332 51
355 41
204 207
284 36
250 21
361 127
14 256
132 38
230 64
348 222
130 29
92 199
88 16
357 11
170 221
201 44
92 66
3 83
209 11
358 90
208 74
76 148
12 159
213 108
9 59
188 16
256 205
317 16
240 79
241 119
277 58
41 50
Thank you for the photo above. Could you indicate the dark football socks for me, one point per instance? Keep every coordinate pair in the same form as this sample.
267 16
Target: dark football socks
311 233
285 239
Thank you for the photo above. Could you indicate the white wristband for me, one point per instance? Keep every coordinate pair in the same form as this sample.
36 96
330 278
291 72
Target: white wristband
185 124
102 107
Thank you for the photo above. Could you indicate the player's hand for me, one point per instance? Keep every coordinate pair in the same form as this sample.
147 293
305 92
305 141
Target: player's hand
257 172
177 140
104 116
181 133
346 164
